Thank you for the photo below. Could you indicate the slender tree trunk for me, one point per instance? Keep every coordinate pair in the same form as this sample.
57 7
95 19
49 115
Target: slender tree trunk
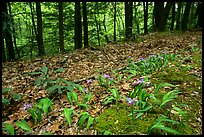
61 27
199 14
136 21
178 18
104 24
14 37
186 16
115 22
33 21
159 9
78 27
166 14
8 36
97 26
128 19
39 24
173 16
153 20
85 24
145 16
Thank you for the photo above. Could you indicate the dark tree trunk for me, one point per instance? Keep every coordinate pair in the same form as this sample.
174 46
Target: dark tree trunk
115 22
8 36
186 16
173 16
85 24
61 27
14 37
199 14
161 15
178 17
39 24
78 27
128 19
145 16
158 12
136 21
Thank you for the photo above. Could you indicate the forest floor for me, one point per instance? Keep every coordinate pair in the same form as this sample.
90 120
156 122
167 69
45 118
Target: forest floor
84 66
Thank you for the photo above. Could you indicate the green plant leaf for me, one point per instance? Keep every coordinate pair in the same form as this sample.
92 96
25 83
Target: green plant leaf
108 99
32 111
23 124
69 97
17 96
68 115
161 86
75 97
39 80
183 113
5 101
82 120
34 73
44 69
162 127
47 133
139 115
9 128
6 90
107 133
90 121
46 103
59 70
164 118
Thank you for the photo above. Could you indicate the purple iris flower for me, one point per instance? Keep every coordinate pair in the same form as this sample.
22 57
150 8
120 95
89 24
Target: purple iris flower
86 90
106 76
129 57
26 106
164 52
131 101
151 55
141 58
110 78
161 57
139 82
88 81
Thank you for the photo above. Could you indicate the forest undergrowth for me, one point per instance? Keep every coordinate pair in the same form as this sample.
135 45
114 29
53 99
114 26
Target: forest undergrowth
150 85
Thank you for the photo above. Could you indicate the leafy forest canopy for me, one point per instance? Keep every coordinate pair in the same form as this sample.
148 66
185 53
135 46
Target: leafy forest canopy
32 29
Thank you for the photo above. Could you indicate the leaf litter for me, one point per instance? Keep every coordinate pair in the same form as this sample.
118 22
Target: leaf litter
80 66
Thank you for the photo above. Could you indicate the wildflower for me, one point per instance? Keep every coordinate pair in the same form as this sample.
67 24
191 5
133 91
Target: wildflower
141 59
129 57
88 81
151 55
131 101
110 78
86 90
106 76
164 52
139 82
161 57
26 106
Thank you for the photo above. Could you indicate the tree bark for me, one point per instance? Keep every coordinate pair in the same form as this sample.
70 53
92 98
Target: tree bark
13 28
128 19
7 33
145 16
178 18
39 24
61 27
173 16
85 24
3 50
186 16
78 27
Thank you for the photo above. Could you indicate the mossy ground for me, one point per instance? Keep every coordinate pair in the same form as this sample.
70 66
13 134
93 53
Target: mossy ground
117 121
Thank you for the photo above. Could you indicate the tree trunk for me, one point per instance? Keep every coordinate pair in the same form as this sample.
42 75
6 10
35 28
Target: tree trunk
61 27
97 27
78 27
145 16
128 19
136 21
33 21
39 24
178 18
199 14
85 24
173 16
8 36
14 37
186 16
104 24
115 22
159 11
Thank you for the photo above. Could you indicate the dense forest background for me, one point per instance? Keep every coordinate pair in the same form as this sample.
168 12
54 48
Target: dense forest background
32 29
